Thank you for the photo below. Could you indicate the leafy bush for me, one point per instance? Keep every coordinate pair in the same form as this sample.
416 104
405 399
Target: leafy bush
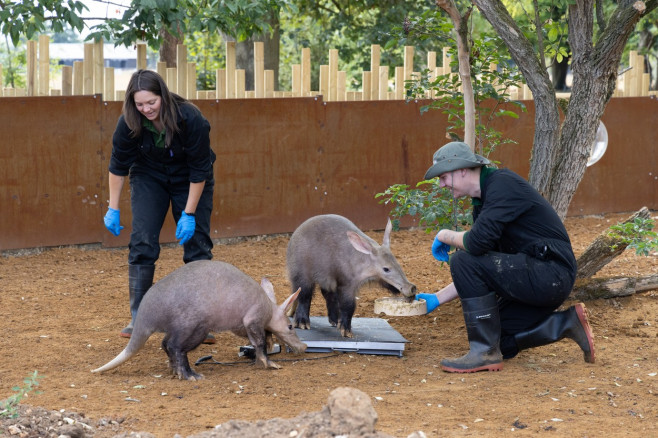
638 235
435 206
9 406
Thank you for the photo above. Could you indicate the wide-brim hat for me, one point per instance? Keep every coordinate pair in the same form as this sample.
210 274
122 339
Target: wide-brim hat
452 156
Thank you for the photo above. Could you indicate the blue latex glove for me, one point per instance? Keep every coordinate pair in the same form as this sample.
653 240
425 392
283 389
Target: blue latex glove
112 222
440 249
185 228
431 301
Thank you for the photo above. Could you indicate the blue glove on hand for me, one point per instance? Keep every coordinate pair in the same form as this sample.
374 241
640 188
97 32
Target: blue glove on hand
431 301
440 249
185 228
112 222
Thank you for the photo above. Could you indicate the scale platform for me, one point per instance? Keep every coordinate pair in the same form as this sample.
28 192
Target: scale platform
371 336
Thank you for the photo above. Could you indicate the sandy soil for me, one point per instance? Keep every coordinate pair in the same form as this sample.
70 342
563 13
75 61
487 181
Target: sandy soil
62 309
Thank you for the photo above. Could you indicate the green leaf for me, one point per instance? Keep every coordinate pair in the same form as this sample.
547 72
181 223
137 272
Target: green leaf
553 34
508 113
390 44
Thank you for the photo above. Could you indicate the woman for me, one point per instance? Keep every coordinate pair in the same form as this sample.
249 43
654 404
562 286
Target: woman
162 141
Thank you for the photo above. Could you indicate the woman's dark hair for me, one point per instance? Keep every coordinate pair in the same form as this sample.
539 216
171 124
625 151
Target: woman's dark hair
148 80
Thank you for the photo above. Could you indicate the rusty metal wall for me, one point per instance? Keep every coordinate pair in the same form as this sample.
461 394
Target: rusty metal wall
50 191
624 179
279 161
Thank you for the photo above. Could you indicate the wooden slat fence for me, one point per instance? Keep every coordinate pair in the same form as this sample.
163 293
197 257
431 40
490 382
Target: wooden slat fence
382 82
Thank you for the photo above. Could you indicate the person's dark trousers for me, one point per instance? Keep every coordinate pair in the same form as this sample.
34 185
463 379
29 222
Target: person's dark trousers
140 279
199 247
529 290
571 323
483 330
151 196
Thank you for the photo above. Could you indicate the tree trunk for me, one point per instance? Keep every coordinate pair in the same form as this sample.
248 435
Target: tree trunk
560 70
594 79
558 162
547 116
646 43
168 47
244 53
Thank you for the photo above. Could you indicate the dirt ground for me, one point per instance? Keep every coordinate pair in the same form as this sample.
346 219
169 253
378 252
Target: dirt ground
62 309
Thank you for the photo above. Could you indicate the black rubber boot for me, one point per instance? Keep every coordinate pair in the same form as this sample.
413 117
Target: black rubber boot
483 329
140 279
571 323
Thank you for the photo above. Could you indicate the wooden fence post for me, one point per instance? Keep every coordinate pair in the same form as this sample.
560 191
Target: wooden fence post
445 61
431 66
269 83
408 63
323 87
161 69
230 69
375 55
259 69
240 81
108 84
191 80
78 78
31 68
99 61
88 69
341 85
181 69
306 71
67 80
220 83
333 74
646 84
399 82
383 83
366 81
44 65
172 79
141 56
296 80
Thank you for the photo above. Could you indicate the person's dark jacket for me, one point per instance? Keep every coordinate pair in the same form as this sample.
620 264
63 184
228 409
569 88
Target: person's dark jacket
512 217
188 157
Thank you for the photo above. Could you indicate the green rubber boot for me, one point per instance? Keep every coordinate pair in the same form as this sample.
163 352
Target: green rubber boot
483 329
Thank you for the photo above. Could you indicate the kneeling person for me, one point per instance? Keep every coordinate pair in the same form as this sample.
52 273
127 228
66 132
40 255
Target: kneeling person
513 268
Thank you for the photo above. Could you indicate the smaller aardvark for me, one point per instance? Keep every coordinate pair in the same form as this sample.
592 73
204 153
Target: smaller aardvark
330 251
209 296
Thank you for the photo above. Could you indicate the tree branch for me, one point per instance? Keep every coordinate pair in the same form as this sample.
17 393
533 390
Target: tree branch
605 248
600 18
596 288
464 56
540 34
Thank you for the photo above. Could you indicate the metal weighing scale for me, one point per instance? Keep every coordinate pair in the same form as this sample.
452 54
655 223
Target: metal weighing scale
371 336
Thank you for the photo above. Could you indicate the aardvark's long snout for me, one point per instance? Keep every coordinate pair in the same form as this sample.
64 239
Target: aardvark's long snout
407 289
